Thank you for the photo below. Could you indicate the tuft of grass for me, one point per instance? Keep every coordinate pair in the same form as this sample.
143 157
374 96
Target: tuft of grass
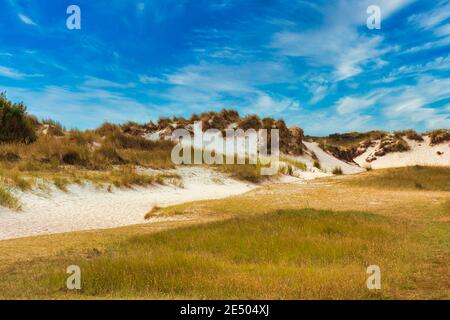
410 134
295 163
61 183
415 177
7 199
337 171
152 212
317 165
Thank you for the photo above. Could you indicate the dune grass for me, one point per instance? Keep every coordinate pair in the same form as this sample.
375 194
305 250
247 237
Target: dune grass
7 199
293 254
245 172
415 178
295 163
268 243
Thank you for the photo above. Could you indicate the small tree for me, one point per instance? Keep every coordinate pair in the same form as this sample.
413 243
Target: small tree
15 124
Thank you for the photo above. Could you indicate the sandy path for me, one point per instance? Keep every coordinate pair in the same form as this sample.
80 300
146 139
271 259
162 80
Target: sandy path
85 208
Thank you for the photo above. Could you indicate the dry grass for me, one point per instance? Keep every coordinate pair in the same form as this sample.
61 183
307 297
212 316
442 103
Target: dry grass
288 255
261 252
295 163
415 178
7 199
102 156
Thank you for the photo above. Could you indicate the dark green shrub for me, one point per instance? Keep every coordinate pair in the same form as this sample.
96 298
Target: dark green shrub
15 125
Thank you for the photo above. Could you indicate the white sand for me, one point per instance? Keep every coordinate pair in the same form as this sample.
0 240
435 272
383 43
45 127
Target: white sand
86 208
421 153
328 162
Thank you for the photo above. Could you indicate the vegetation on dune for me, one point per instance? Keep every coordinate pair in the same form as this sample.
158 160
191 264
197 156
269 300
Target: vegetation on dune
295 163
392 144
347 146
7 199
15 125
439 136
337 171
317 165
415 178
410 134
351 139
245 172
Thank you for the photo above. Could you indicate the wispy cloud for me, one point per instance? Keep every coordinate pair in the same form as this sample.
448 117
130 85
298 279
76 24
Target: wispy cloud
15 74
26 20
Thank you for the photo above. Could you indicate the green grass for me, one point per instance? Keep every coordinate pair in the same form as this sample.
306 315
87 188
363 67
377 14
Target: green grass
412 178
245 172
317 165
290 254
337 171
7 199
295 163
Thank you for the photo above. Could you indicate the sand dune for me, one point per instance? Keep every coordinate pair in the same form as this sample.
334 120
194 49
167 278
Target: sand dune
86 208
328 162
421 153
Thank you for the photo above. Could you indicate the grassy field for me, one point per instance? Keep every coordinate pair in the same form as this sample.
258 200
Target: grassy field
413 178
280 241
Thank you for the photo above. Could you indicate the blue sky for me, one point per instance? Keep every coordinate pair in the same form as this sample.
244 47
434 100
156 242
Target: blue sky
313 63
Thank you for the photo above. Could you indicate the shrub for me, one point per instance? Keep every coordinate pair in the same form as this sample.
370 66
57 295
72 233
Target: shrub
439 136
164 123
410 134
15 125
337 171
317 164
230 116
250 122
107 129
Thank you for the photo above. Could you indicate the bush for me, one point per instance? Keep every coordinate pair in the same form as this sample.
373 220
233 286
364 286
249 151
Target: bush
107 129
317 164
337 171
15 125
410 134
250 122
439 136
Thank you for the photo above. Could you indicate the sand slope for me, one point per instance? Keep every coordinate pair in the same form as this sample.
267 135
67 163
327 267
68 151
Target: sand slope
421 153
328 162
86 208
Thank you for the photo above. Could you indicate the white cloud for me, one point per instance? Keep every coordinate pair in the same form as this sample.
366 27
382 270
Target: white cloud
26 20
268 105
432 18
350 104
337 43
442 42
15 74
102 83
149 79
